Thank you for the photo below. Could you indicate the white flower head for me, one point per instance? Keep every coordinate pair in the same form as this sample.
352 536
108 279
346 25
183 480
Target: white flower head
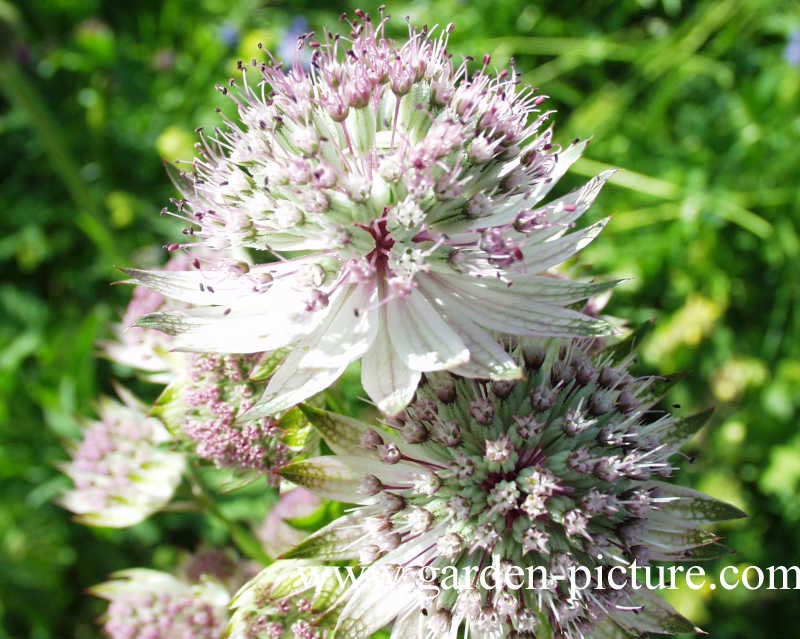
400 198
547 499
156 605
121 472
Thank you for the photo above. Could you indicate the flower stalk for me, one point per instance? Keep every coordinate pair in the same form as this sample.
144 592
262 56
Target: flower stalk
244 539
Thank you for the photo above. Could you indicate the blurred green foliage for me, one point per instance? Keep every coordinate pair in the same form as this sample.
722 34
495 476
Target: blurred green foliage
695 100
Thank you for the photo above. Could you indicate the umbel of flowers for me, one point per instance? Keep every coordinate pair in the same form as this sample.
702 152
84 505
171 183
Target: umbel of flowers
121 473
390 206
563 468
204 406
400 200
149 604
291 599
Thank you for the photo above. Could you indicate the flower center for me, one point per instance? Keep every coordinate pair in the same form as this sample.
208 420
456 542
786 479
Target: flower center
378 257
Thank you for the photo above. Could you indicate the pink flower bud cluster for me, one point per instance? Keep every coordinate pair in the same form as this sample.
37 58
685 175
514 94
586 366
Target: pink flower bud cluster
121 471
147 604
161 616
216 395
111 451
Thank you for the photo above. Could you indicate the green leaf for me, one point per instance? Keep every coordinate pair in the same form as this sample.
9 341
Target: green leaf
169 323
313 521
706 552
607 629
660 385
684 428
676 541
299 434
631 341
170 408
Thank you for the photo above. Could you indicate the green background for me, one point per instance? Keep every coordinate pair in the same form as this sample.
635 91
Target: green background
697 101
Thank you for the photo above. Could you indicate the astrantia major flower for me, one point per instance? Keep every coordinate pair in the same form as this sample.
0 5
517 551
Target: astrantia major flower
121 472
290 599
203 405
157 605
400 196
565 468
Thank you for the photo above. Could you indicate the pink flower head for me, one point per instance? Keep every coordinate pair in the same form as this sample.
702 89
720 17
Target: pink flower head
120 472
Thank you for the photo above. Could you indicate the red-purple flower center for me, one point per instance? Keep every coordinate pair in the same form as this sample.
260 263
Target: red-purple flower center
379 256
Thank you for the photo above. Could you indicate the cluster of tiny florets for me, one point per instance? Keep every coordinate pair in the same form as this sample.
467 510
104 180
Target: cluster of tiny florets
158 616
283 622
112 451
216 395
218 564
146 604
120 470
372 146
553 471
287 600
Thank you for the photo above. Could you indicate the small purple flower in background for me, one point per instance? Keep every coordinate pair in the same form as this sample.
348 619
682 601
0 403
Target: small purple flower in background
211 562
228 34
220 564
276 533
164 60
288 47
792 51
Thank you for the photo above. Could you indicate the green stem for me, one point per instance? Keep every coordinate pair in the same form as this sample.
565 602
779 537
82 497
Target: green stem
247 543
628 179
592 48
